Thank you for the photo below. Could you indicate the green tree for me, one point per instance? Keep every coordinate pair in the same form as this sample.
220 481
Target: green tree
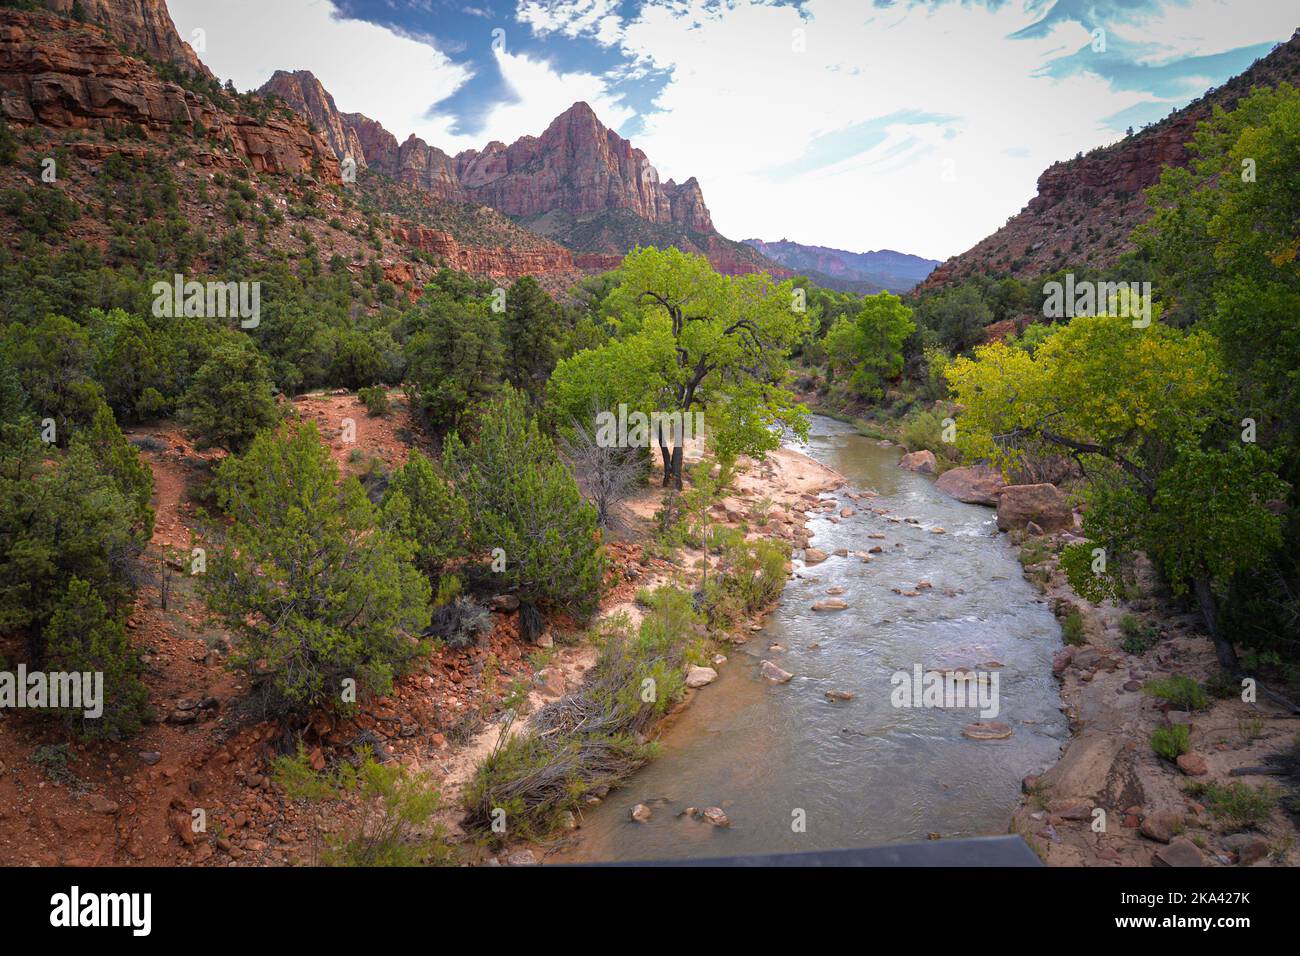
1136 407
316 590
453 359
230 400
422 507
725 331
524 500
870 344
82 637
532 328
957 316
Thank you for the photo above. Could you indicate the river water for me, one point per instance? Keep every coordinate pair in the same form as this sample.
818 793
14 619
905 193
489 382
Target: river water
796 771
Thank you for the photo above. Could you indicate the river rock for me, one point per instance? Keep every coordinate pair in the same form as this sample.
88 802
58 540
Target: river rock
1045 505
987 730
769 671
505 602
715 816
830 604
1162 826
838 695
1180 852
921 462
641 813
700 676
812 556
1249 847
975 485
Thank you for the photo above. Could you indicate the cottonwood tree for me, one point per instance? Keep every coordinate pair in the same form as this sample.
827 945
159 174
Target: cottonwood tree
724 334
315 589
869 345
1139 409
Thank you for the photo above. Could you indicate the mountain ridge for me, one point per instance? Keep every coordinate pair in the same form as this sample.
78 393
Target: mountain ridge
867 272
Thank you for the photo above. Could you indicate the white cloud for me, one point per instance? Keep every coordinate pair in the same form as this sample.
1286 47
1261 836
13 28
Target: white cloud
369 69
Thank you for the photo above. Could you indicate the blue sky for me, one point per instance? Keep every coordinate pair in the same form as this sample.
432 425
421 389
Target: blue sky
916 126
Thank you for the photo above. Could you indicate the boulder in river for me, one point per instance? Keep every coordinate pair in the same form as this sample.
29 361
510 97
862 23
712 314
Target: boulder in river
812 556
975 485
831 604
987 730
1045 505
771 672
641 813
700 676
919 461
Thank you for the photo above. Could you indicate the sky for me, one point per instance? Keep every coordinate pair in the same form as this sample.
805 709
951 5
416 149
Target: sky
857 124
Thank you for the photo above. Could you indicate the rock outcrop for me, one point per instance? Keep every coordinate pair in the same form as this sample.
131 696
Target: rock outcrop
304 93
67 75
1071 219
136 24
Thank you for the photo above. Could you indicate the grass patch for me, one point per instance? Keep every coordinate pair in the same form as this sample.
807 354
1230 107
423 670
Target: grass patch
1072 631
1171 742
1237 806
1138 637
1181 692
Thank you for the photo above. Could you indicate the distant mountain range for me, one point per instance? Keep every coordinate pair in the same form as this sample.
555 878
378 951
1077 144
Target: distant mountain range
865 272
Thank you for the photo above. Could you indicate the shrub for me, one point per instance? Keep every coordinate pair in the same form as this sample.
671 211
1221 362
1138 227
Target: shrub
422 507
314 587
1171 741
593 738
83 637
1182 692
230 399
523 500
1238 805
1138 637
1072 630
375 398
459 623
395 828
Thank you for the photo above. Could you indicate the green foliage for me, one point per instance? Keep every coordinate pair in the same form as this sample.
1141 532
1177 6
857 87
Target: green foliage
43 211
869 346
1238 806
524 500
315 588
375 398
924 429
956 317
453 358
82 637
420 506
1181 692
1072 631
531 332
1171 741
396 826
591 740
1138 637
230 400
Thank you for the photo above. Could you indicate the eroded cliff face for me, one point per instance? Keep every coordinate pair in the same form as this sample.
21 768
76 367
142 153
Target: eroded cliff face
304 93
496 262
66 75
1073 218
138 25
581 175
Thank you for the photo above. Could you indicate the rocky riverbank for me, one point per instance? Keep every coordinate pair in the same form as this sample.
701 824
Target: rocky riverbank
1111 800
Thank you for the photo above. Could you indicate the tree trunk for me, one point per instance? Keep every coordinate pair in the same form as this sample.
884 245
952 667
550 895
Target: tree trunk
666 454
1223 649
678 453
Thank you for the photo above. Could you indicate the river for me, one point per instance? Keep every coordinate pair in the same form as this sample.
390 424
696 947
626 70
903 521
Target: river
796 771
